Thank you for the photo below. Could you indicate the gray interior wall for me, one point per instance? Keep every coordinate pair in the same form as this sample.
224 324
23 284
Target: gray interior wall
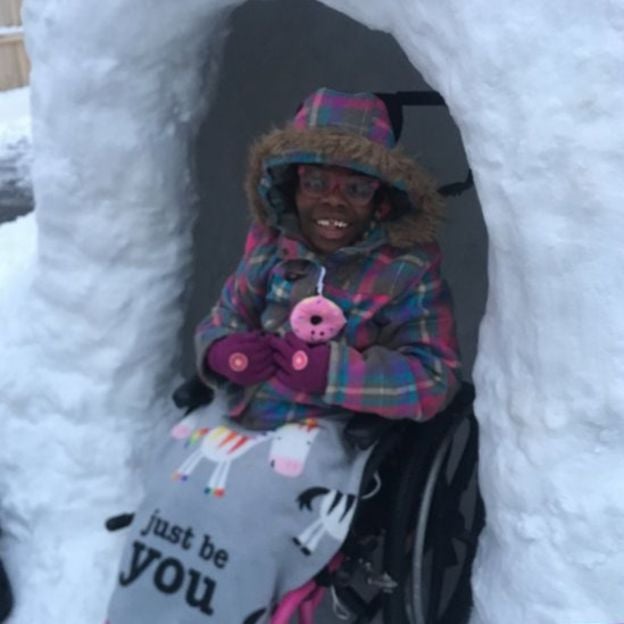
277 52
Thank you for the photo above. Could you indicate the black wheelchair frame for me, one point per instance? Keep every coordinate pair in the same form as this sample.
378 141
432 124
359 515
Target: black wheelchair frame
6 595
414 564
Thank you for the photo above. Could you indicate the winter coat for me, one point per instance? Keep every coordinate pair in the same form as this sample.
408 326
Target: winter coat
397 355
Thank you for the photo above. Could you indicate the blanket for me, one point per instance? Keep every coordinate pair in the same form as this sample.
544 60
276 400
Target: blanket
234 519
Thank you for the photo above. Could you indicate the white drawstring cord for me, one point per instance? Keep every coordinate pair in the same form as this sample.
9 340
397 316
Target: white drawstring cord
319 283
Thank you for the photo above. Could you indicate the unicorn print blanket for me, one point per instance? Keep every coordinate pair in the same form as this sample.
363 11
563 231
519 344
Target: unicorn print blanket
234 519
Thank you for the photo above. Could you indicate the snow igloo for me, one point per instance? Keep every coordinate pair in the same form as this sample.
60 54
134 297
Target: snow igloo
141 117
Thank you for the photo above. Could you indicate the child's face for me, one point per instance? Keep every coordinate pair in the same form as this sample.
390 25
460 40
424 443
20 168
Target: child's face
335 206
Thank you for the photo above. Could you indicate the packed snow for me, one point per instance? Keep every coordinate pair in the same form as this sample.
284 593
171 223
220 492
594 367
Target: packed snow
18 242
7 31
91 303
14 113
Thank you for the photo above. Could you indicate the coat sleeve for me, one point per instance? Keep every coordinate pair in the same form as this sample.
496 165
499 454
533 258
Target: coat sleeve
413 371
242 298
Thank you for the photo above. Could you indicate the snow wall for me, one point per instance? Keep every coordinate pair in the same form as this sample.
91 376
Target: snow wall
92 340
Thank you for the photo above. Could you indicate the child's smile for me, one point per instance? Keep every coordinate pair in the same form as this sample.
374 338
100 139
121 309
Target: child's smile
329 216
329 231
332 228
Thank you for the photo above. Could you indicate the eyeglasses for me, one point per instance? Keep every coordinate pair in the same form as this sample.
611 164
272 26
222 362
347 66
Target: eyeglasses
316 183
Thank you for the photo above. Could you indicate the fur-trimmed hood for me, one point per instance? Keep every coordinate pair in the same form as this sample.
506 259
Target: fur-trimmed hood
417 207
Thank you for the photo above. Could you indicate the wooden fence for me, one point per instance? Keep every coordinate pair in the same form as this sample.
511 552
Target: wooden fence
14 64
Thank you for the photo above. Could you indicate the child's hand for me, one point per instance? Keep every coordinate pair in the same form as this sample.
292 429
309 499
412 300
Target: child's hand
301 366
245 358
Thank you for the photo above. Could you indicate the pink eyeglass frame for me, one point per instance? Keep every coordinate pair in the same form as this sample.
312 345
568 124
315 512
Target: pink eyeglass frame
302 170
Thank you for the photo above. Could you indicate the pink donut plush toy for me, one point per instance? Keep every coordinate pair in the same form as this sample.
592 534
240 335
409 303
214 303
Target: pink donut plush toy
317 319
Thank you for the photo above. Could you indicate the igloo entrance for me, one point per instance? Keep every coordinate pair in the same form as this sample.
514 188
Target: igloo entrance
276 53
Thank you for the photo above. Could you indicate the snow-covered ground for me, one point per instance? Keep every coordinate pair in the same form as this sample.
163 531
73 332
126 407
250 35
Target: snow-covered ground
89 338
14 114
15 153
18 242
18 238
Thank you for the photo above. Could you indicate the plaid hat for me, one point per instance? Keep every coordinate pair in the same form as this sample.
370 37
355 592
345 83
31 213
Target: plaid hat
362 114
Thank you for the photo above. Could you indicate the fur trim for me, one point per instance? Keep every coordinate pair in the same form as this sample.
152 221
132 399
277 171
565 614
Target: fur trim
419 224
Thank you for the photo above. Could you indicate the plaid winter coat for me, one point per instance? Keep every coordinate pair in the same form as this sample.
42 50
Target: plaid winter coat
397 355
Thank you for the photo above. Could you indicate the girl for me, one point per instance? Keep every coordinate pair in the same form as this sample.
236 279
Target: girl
336 307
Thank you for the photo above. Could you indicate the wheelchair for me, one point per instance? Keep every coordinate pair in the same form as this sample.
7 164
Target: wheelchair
409 552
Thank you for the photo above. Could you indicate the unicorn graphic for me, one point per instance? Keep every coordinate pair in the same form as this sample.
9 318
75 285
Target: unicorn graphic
291 445
222 445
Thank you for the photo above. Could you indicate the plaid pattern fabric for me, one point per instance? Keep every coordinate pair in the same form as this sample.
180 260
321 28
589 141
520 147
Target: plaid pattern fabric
397 355
362 114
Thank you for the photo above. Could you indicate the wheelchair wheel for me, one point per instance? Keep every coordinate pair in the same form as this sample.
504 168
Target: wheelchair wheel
431 542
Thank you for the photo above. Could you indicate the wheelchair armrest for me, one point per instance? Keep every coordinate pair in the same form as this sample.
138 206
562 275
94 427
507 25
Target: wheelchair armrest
192 394
363 430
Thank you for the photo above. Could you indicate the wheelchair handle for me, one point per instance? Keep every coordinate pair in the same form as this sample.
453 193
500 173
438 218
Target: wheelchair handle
192 393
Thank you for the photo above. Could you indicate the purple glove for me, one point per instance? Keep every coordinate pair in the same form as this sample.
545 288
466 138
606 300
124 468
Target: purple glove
301 366
245 358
